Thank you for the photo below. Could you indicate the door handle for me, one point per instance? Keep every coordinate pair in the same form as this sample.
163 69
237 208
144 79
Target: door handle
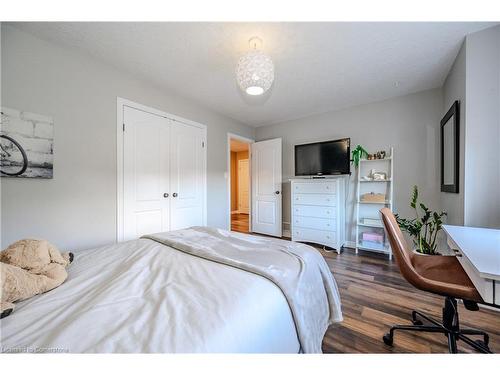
174 195
165 195
277 192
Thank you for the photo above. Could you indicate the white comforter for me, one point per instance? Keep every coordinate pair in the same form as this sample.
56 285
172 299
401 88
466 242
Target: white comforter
297 269
142 296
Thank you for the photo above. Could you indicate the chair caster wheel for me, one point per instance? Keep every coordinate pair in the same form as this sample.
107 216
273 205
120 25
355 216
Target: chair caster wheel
387 339
417 322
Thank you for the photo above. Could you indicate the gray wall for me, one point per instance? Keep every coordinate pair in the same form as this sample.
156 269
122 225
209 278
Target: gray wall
482 130
77 209
410 124
454 89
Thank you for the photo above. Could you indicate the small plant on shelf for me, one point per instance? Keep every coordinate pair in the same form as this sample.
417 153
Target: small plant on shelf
357 154
424 228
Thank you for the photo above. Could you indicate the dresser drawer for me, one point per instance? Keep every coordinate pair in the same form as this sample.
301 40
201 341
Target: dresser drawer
313 235
315 211
314 223
315 199
315 188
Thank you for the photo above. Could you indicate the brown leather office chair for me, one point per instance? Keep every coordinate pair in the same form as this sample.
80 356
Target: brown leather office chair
441 275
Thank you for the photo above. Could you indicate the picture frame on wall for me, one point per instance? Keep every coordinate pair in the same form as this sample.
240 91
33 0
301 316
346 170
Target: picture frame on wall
26 144
450 149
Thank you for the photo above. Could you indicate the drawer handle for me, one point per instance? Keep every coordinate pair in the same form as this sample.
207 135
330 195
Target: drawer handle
458 255
327 224
327 212
328 237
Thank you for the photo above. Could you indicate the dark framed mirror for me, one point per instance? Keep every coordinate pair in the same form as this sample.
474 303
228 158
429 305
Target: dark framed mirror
450 153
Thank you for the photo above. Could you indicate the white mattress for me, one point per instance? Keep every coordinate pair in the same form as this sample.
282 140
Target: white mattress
140 296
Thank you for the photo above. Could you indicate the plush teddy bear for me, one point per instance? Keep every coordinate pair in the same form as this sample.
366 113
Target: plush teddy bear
30 267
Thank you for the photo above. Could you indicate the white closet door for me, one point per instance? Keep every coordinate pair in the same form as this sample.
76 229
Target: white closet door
266 187
187 176
145 173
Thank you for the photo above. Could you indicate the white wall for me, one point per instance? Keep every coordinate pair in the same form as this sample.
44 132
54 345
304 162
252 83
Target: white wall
77 208
410 124
454 89
482 130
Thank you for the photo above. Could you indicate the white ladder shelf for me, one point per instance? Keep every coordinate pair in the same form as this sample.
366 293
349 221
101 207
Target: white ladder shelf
363 209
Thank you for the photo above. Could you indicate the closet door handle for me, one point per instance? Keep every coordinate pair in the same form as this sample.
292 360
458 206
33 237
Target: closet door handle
174 195
165 195
277 192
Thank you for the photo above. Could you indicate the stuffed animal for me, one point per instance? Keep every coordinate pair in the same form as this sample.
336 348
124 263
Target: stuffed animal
30 267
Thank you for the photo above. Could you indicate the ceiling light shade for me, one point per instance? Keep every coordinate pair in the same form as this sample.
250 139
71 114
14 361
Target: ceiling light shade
255 71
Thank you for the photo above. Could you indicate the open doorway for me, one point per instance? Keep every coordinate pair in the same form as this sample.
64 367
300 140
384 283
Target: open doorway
239 182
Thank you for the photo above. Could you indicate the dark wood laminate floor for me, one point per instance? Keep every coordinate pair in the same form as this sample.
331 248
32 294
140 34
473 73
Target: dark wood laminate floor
240 222
375 296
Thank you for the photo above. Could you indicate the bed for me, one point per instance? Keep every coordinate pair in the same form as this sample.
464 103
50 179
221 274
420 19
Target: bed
143 296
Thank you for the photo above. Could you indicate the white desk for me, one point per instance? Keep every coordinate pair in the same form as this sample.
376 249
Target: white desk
478 250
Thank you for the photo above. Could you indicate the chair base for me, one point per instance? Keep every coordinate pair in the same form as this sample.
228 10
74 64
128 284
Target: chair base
449 327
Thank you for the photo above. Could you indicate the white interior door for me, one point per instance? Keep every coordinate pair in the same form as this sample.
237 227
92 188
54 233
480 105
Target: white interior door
187 176
243 186
146 142
266 187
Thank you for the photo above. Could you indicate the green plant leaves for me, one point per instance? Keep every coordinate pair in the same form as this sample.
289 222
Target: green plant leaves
424 229
357 154
414 198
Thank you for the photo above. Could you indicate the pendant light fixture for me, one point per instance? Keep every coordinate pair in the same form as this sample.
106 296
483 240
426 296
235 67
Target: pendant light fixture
255 70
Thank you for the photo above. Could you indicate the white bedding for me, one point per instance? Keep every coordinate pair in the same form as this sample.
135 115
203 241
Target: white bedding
297 269
142 296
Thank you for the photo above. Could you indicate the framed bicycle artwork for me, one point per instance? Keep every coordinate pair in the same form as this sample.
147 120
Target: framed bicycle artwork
26 144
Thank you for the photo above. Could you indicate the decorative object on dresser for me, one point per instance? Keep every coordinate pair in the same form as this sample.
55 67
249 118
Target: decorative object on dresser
318 211
374 189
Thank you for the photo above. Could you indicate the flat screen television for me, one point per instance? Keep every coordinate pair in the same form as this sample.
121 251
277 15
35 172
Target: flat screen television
323 158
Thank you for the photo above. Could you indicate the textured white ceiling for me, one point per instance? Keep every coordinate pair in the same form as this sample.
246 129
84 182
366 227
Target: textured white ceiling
318 66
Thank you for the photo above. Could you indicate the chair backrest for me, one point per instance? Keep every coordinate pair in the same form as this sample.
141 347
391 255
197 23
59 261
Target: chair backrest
403 254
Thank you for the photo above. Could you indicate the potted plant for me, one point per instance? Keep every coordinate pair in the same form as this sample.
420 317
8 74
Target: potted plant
424 228
357 154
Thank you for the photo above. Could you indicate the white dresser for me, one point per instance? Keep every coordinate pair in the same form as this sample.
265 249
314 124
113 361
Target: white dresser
318 211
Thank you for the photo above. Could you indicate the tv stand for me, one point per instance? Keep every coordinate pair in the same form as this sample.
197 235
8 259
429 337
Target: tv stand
318 210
